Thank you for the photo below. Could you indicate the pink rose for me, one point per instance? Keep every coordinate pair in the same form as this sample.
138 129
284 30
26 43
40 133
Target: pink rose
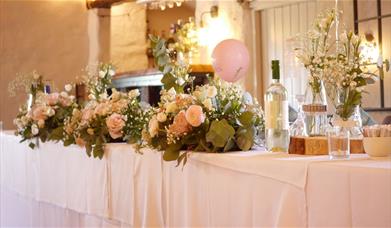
180 125
86 115
115 123
52 99
65 100
194 115
38 112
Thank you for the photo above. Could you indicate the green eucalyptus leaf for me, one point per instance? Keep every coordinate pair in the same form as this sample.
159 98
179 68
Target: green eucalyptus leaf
163 60
246 119
219 133
98 151
69 141
32 145
168 81
245 137
56 134
172 152
230 144
88 149
181 158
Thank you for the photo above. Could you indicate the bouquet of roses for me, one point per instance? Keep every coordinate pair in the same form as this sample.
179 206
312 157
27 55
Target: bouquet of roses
218 117
45 118
117 117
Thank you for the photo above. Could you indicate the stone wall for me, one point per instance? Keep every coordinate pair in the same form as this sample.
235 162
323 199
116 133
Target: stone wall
48 36
128 42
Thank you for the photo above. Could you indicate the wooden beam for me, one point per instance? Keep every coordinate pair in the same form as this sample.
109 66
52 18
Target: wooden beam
92 4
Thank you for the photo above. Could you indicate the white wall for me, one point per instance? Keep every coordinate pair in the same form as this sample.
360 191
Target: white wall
49 36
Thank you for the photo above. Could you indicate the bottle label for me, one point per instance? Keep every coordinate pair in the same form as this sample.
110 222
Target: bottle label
276 115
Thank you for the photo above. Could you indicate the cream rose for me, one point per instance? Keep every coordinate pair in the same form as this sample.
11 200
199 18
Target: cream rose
133 93
171 107
153 126
161 117
115 122
39 113
194 115
180 124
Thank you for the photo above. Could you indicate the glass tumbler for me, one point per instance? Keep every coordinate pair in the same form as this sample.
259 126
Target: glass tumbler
338 142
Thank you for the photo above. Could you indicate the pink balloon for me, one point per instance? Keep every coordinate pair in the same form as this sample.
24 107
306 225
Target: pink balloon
230 60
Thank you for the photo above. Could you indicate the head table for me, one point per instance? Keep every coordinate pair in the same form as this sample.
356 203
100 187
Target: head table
61 186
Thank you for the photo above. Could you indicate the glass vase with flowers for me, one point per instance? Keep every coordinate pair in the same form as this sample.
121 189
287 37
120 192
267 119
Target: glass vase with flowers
314 54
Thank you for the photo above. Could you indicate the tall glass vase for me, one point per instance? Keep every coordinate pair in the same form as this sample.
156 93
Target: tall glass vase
30 101
315 109
353 123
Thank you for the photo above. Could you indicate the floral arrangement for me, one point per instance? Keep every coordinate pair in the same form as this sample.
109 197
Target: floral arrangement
186 37
218 117
349 74
30 83
314 49
117 117
45 118
103 119
98 79
171 60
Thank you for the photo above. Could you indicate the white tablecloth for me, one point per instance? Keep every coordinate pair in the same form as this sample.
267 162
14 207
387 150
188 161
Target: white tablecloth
232 189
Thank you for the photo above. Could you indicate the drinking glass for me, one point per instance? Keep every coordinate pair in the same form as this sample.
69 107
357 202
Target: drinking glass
338 142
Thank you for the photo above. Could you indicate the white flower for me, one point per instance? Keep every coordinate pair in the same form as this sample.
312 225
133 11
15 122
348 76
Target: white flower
50 111
64 94
91 97
111 72
212 91
34 129
133 93
90 131
35 75
24 120
103 96
180 81
102 74
171 92
68 87
247 99
18 124
208 104
161 117
153 126
171 107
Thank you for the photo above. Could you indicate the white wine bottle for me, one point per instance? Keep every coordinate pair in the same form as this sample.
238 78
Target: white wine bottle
276 113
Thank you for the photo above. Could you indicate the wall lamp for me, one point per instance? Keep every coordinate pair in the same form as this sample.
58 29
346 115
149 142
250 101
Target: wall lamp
214 12
372 53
